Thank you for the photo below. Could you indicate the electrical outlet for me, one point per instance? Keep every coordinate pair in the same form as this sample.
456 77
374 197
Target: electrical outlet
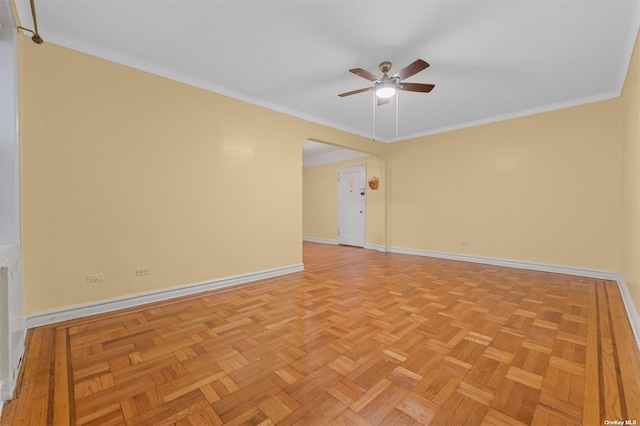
142 271
95 278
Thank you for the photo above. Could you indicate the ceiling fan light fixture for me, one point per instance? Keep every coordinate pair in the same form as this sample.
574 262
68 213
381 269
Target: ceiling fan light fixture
385 90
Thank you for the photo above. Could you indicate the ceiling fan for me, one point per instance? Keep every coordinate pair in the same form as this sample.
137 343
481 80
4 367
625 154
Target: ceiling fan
385 86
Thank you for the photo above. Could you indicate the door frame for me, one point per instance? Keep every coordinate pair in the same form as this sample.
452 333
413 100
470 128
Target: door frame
362 168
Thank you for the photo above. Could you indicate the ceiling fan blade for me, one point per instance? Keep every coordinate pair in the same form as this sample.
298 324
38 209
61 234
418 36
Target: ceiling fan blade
364 74
417 87
353 92
411 69
383 101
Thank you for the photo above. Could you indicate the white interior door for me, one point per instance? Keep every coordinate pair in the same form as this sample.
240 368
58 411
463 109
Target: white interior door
351 205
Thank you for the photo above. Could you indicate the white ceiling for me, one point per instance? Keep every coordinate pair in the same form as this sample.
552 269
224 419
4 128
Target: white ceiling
490 60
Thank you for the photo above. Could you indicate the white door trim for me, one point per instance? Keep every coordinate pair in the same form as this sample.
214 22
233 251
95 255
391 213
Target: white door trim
362 168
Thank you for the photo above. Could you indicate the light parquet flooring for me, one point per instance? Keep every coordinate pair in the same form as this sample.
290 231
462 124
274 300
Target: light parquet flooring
358 338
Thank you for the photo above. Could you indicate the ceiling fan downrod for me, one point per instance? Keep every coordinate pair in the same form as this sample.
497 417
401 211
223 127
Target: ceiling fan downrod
36 35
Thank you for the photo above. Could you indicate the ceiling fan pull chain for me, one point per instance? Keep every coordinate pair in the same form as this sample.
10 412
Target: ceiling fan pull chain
397 101
374 115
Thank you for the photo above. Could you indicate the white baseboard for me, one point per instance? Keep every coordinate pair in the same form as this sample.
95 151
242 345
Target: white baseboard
368 246
632 313
377 247
320 240
518 264
86 309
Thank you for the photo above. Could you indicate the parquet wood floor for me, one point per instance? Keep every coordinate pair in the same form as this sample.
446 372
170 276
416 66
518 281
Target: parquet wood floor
358 338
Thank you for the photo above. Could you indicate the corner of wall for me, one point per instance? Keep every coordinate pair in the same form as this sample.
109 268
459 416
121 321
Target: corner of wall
632 312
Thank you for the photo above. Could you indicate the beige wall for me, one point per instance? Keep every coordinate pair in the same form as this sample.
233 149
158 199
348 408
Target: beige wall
122 169
320 201
630 100
543 188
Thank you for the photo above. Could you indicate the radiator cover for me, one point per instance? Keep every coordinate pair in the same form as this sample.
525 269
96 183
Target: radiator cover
12 324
